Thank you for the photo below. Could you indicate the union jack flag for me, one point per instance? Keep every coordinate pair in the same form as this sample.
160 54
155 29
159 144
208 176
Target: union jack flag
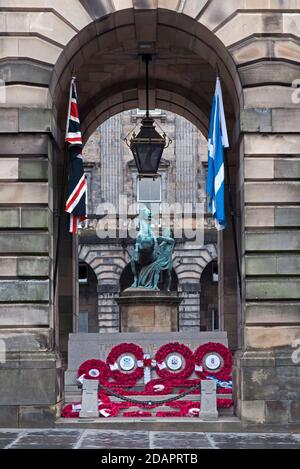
76 200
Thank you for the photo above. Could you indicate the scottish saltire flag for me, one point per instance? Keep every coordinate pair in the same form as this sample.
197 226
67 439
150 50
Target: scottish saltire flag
76 200
217 141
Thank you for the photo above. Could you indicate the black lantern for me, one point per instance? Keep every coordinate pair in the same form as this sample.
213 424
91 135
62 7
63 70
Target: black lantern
148 145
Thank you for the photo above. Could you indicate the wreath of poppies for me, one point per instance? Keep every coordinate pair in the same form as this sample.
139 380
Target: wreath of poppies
225 369
68 412
167 383
108 410
174 348
94 369
138 414
159 387
123 377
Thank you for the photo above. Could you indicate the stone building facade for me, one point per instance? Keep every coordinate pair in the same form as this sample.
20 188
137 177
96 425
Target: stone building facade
256 45
182 180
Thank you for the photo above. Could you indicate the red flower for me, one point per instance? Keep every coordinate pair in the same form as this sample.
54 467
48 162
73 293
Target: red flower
148 362
69 413
108 410
225 370
158 386
94 369
168 414
224 403
179 349
138 413
123 377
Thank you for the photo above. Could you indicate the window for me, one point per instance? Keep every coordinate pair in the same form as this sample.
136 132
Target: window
83 322
214 320
152 112
215 274
83 273
149 195
149 190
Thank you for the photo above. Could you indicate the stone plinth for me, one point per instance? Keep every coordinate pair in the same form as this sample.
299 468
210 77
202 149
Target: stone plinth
145 310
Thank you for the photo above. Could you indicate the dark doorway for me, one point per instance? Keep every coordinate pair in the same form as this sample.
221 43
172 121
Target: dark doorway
88 299
209 315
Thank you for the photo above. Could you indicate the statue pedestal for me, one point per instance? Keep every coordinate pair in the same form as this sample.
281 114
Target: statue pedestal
145 310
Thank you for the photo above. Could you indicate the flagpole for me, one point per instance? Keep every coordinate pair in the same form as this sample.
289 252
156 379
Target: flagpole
60 208
232 211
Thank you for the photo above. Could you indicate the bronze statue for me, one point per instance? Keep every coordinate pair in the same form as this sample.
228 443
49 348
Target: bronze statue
151 255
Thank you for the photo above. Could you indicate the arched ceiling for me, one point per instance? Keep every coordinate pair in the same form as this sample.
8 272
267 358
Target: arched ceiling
110 74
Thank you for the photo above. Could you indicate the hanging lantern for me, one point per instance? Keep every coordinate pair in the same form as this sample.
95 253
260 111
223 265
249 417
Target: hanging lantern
148 145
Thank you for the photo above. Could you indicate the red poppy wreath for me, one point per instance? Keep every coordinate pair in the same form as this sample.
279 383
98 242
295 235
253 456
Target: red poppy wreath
222 365
166 353
126 378
93 369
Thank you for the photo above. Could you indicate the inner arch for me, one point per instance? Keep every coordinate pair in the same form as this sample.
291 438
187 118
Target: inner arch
110 76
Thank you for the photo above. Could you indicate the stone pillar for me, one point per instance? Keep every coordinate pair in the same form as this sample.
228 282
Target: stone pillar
108 309
208 408
30 372
89 399
267 371
186 140
189 308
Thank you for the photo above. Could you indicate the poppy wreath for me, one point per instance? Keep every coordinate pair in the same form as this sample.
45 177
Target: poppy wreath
180 349
159 387
224 390
137 413
191 408
224 372
94 369
122 377
68 412
108 409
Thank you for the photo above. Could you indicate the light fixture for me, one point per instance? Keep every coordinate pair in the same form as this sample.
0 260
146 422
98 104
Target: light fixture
148 145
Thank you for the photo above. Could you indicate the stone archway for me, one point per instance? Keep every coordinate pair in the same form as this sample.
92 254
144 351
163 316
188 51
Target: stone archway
37 58
182 78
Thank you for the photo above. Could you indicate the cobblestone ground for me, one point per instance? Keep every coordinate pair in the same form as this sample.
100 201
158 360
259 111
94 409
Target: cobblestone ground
113 439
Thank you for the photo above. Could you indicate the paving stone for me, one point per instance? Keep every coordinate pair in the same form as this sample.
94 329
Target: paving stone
4 442
115 439
7 438
253 440
170 440
6 435
46 439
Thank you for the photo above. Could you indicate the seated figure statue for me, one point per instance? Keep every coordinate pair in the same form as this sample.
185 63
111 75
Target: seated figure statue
151 255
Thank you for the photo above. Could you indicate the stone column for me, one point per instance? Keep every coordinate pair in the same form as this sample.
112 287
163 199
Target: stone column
267 374
189 309
30 373
108 309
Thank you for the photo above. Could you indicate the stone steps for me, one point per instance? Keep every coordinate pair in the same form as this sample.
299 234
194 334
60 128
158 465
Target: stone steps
183 424
76 397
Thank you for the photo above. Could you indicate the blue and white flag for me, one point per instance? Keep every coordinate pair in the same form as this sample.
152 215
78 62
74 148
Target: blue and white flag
217 141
